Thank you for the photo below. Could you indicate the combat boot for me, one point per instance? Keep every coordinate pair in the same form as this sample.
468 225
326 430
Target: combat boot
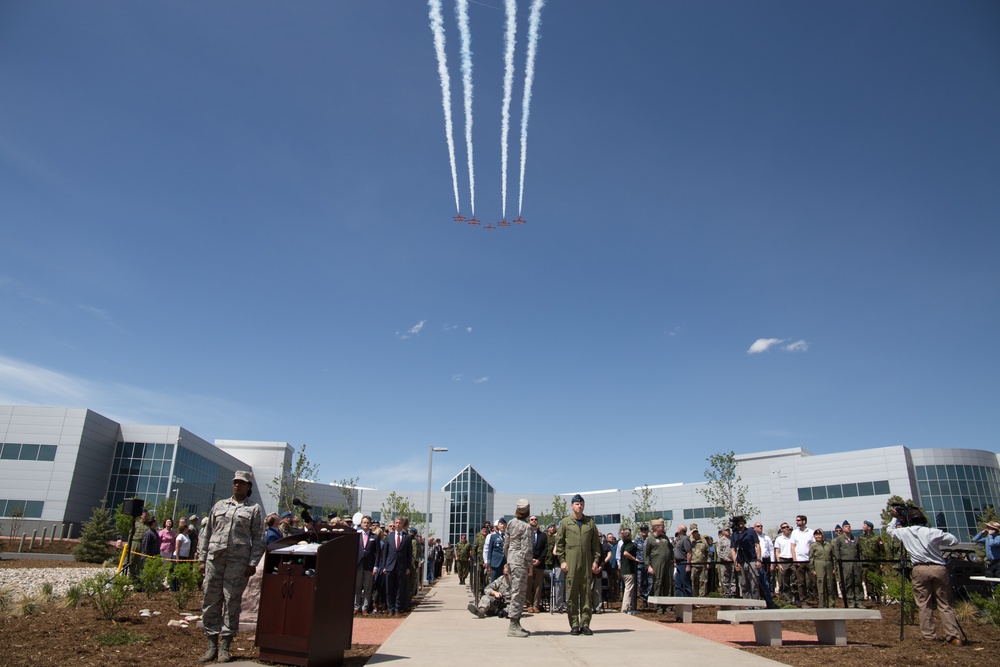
212 650
515 629
224 649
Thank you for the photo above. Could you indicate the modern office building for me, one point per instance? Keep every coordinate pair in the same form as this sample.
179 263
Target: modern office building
58 463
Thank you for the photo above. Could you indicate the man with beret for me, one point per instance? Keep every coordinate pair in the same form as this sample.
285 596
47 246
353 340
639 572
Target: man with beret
872 551
517 552
847 552
578 550
232 542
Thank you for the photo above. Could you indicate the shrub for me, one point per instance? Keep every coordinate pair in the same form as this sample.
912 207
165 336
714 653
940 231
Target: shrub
893 593
154 572
989 609
26 606
108 594
73 597
46 590
186 579
6 599
966 611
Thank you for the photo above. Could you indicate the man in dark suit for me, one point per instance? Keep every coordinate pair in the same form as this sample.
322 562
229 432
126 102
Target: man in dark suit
368 552
396 561
539 549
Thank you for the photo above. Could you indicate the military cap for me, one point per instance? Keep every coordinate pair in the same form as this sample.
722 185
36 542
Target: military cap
869 524
523 504
243 476
286 515
577 499
694 527
846 523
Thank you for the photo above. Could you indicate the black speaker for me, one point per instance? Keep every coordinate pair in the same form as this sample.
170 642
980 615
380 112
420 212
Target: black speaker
132 507
959 575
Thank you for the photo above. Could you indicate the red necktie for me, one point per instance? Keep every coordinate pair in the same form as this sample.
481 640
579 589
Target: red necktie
397 541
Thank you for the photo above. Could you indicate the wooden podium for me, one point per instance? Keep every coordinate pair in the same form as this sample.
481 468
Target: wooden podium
306 613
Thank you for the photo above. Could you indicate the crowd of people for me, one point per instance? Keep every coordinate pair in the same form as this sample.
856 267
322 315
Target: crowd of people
508 564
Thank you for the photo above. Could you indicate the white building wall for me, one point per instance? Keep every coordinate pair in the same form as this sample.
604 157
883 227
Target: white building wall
267 461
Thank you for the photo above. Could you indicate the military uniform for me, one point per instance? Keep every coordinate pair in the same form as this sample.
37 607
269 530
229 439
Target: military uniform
727 574
659 556
821 563
231 542
517 550
476 562
847 552
699 573
578 545
872 549
490 605
463 551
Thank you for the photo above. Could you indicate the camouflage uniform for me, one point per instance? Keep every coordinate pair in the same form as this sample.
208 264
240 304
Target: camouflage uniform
463 551
476 562
492 606
231 541
517 549
699 573
872 549
727 575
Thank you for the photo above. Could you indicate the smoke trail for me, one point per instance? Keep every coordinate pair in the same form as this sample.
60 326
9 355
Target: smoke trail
534 21
437 27
508 84
462 14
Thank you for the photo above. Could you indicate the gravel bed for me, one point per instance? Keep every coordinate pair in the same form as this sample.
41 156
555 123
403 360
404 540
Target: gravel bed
28 581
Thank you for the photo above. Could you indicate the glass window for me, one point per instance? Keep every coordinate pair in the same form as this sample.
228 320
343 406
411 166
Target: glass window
805 493
921 472
935 489
851 490
952 473
3 508
33 509
168 452
819 493
882 488
942 472
157 451
834 491
10 451
948 503
47 453
865 489
924 489
29 452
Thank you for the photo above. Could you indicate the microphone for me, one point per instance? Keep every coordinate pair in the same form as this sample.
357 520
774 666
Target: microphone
299 503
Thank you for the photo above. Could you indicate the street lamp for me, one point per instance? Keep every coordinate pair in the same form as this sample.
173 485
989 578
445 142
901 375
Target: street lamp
427 515
176 481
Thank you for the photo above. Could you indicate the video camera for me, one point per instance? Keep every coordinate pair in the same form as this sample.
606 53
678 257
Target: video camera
908 515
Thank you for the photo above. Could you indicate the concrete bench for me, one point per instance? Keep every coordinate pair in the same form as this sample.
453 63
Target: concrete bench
831 624
684 606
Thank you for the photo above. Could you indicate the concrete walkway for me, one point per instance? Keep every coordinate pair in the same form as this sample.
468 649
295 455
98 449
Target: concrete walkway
442 631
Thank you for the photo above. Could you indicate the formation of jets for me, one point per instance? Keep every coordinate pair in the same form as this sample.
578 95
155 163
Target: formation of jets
474 221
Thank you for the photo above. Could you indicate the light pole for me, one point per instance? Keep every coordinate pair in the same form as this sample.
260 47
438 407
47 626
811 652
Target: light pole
176 481
427 515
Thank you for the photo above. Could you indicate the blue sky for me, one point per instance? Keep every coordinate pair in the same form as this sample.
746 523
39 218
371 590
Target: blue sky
750 226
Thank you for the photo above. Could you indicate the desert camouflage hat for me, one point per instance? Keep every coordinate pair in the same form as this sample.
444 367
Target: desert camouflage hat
243 476
694 528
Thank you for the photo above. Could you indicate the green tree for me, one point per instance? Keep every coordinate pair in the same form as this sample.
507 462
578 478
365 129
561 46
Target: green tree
642 508
123 522
16 516
397 505
349 488
989 514
554 513
294 483
723 489
97 532
164 509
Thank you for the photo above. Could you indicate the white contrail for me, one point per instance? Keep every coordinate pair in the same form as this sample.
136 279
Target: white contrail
462 14
437 27
508 84
534 21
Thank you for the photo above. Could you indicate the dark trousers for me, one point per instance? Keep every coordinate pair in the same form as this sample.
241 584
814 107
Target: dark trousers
396 585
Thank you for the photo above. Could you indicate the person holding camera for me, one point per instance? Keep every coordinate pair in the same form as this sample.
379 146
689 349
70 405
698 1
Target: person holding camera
990 539
931 587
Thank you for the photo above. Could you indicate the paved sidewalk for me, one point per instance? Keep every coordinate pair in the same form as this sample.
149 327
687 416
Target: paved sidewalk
442 630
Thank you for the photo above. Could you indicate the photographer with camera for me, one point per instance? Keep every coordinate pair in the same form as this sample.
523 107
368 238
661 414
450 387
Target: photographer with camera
929 576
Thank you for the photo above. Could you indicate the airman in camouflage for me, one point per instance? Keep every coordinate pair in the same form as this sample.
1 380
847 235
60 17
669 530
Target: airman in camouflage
463 552
232 543
495 598
699 562
517 550
872 549
847 552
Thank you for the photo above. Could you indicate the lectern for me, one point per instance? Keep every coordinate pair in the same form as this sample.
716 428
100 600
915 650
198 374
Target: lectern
306 613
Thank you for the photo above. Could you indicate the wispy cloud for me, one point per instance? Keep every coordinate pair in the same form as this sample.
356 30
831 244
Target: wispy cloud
415 329
457 377
485 378
764 344
797 346
23 383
